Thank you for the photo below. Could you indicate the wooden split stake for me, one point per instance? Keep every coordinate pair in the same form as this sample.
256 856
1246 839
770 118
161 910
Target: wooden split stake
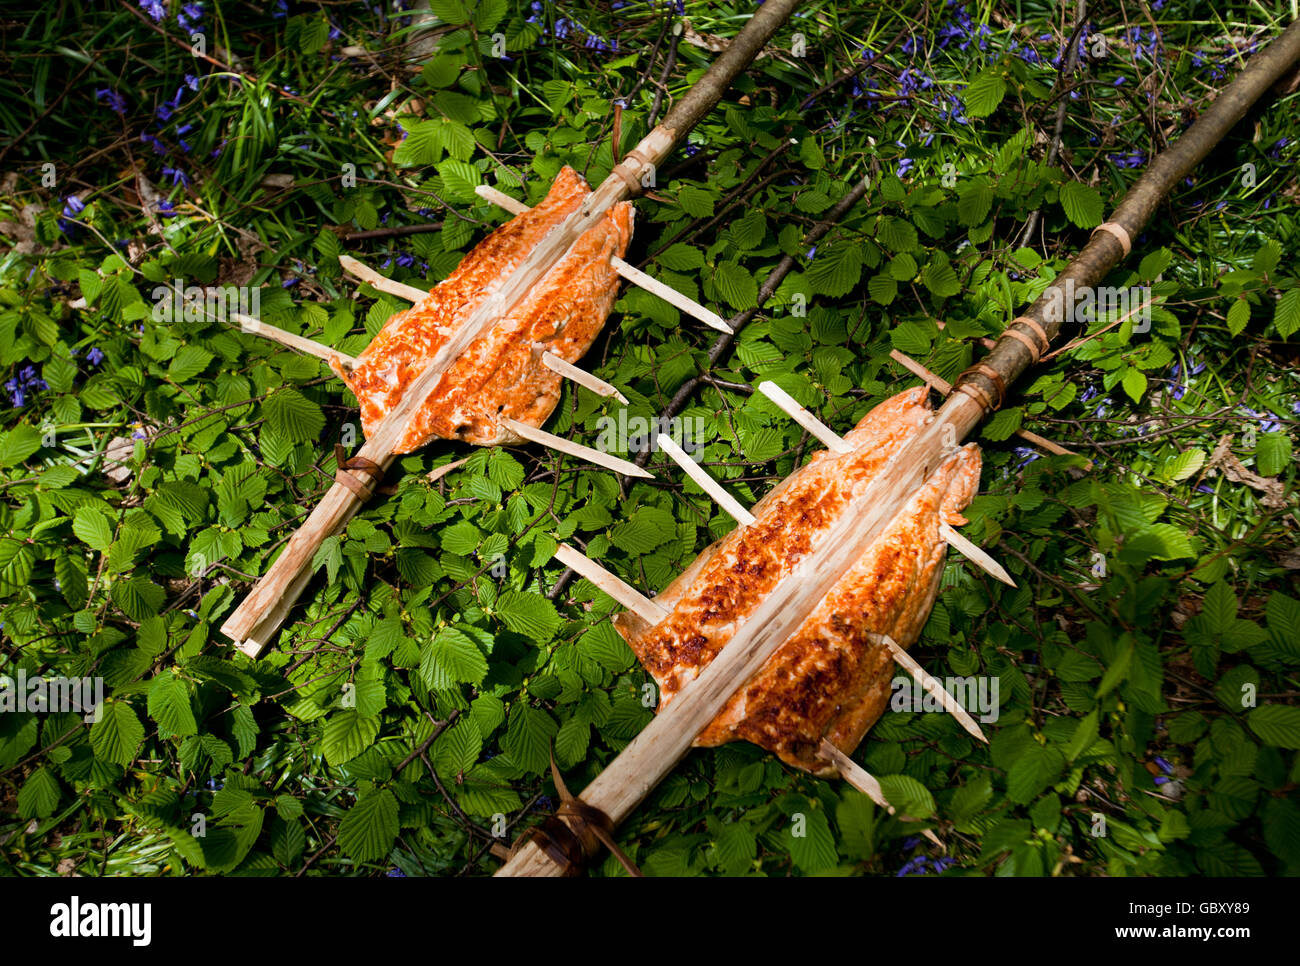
629 272
975 554
706 482
932 685
583 378
787 404
257 327
867 784
367 274
943 387
575 449
625 594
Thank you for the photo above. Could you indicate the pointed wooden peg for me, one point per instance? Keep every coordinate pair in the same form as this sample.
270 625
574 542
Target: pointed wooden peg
786 403
583 378
575 449
383 284
627 595
259 328
707 483
932 685
866 783
975 554
629 272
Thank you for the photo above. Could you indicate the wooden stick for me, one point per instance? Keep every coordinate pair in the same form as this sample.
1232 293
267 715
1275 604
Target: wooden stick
501 199
975 554
652 754
575 449
671 295
867 784
627 595
707 483
931 684
583 378
628 271
380 282
787 404
259 328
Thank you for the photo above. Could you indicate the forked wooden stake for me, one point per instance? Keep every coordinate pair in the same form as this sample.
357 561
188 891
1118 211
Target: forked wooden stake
625 594
628 271
257 327
975 554
583 378
367 274
707 483
932 685
787 404
575 449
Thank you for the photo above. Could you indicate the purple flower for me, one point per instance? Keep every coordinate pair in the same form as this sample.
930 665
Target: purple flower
812 253
1161 779
153 142
1164 766
166 209
115 100
177 175
95 356
72 206
395 874
154 9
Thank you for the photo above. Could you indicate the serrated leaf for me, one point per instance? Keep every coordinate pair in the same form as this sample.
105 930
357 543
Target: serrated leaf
907 795
369 829
1082 204
347 734
736 285
39 795
293 416
528 613
117 734
1276 724
451 658
528 738
1287 316
985 93
169 706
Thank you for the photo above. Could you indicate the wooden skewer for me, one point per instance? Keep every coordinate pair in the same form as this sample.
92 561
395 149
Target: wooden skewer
583 378
932 685
706 482
257 327
866 783
575 449
625 594
629 272
367 274
787 404
944 387
975 554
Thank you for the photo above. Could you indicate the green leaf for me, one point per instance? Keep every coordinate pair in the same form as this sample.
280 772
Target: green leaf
169 706
814 849
1287 316
1276 724
1272 454
117 734
836 269
17 561
1238 316
1082 204
1135 383
294 417
528 613
736 285
528 738
1183 465
39 795
348 734
940 278
370 827
451 658
449 11
18 444
907 795
985 92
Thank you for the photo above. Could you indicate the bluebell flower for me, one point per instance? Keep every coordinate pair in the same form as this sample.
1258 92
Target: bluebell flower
177 175
166 209
94 356
1164 766
812 253
116 101
395 873
153 142
154 9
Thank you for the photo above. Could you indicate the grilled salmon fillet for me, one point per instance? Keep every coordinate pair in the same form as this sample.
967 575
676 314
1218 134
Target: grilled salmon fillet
501 373
830 679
